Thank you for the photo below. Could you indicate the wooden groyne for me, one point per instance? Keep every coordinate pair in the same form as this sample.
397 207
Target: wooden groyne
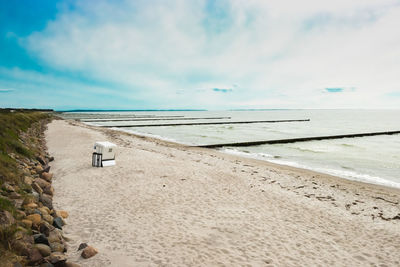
155 119
125 117
302 139
201 123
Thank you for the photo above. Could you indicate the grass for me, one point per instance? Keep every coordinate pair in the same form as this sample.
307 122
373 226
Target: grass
13 130
11 126
5 204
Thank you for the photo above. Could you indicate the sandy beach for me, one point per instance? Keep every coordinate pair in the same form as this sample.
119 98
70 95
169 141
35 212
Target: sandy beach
166 204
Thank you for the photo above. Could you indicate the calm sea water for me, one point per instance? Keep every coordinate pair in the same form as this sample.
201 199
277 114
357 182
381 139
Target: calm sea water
374 159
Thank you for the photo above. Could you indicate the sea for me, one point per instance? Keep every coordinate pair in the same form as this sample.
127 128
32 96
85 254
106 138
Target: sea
370 159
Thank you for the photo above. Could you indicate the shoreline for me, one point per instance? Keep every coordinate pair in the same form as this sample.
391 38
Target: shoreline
153 137
169 204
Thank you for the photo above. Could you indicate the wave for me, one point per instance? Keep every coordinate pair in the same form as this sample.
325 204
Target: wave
347 174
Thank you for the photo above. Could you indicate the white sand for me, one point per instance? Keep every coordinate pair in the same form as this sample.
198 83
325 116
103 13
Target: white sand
166 204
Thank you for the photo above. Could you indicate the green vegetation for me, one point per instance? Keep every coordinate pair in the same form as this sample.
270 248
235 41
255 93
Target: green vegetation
5 204
12 124
19 144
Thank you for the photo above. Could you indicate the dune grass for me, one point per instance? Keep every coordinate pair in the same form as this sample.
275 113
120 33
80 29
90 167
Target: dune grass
11 126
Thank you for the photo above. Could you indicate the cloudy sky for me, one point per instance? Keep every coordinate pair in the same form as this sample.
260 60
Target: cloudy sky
148 54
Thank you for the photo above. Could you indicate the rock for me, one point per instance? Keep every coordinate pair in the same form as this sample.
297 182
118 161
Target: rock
21 247
14 195
36 211
57 258
44 210
8 187
41 160
47 176
66 238
82 246
47 209
55 236
27 223
46 169
35 218
35 195
20 214
51 159
89 252
18 235
30 211
71 264
42 183
48 218
47 200
43 249
41 239
18 203
62 213
6 219
31 205
45 228
34 256
38 169
57 247
49 190
37 188
17 264
46 264
58 222
28 180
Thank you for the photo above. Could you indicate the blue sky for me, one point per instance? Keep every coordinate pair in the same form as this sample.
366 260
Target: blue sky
199 54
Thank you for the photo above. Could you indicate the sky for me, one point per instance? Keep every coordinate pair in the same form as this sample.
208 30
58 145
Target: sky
199 54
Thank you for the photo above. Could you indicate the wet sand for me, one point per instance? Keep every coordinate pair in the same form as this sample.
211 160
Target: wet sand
173 205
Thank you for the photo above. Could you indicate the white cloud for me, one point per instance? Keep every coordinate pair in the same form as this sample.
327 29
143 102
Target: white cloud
6 90
282 54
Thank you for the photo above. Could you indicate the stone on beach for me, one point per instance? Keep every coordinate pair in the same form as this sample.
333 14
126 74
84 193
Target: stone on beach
28 180
46 169
31 205
45 228
34 255
45 250
27 223
82 246
6 218
38 169
55 236
49 191
41 160
37 188
57 258
42 183
47 176
47 200
48 218
89 252
41 239
58 222
62 213
35 218
59 247
71 264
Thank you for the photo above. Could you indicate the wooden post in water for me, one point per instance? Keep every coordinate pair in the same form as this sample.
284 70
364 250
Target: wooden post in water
301 139
201 123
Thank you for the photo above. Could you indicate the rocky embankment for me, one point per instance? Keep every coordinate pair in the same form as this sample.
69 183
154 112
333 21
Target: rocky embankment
30 227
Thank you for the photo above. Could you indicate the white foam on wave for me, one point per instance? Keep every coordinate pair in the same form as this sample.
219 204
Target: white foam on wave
350 175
